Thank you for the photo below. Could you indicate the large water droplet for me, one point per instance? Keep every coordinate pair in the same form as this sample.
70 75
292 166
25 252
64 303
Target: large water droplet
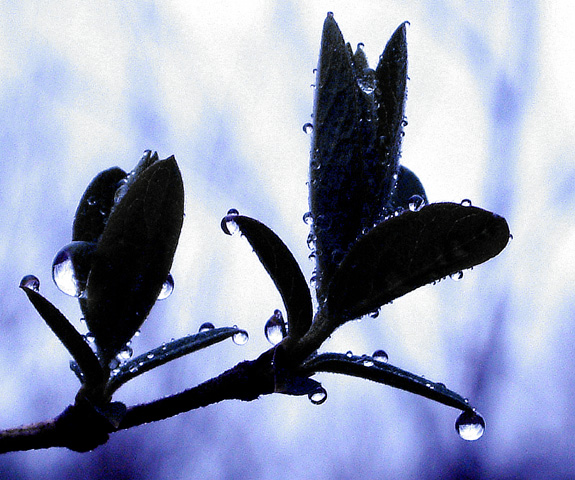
318 397
470 425
71 267
167 288
240 337
466 202
275 328
415 203
308 128
206 327
31 282
380 356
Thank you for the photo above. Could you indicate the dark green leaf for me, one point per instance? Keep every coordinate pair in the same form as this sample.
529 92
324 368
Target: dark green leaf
95 206
412 250
69 336
282 267
390 92
336 189
166 353
370 369
134 256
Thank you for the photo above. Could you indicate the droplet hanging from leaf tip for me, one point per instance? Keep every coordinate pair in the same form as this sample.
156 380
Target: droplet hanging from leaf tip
318 397
31 282
275 328
229 225
470 425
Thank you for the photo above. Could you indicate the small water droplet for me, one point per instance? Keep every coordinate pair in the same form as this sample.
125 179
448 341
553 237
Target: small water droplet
311 241
404 123
367 362
240 337
380 356
415 203
360 45
308 218
124 354
318 397
314 71
470 425
89 337
374 314
456 276
92 201
275 328
349 354
133 369
229 225
206 327
31 282
115 371
466 202
167 288
71 266
149 356
308 128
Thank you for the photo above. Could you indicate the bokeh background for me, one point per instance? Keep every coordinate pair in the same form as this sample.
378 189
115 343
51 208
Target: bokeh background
225 86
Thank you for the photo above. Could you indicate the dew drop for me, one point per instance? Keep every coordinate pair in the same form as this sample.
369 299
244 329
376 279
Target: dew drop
308 128
149 356
31 282
240 337
360 45
206 327
229 225
349 354
466 202
125 354
89 337
308 218
318 397
167 288
374 314
275 328
71 266
311 238
456 276
470 425
367 362
380 356
415 203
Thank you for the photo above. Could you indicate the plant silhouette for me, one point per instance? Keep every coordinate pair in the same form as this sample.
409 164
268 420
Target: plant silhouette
374 238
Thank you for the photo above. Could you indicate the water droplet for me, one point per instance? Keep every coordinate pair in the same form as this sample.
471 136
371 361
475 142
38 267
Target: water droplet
415 203
240 337
31 282
318 397
374 314
349 354
404 123
367 362
167 288
456 276
470 425
308 218
308 128
360 45
380 356
71 267
89 337
229 225
314 71
275 328
92 201
124 354
149 356
206 327
133 369
311 241
330 14
466 202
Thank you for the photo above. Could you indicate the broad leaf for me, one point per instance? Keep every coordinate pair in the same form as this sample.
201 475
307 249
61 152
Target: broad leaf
134 256
412 250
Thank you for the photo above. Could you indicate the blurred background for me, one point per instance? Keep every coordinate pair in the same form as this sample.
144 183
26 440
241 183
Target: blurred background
226 88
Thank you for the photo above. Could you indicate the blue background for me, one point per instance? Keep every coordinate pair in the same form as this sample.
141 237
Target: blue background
225 87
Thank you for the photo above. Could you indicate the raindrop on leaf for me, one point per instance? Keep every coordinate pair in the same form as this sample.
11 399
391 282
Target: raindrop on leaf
308 218
308 128
71 267
30 281
167 288
470 425
206 327
466 202
415 203
456 276
380 356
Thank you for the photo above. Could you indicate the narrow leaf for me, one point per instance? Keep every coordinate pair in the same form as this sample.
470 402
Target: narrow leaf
370 369
69 336
282 267
412 250
390 93
336 189
134 256
166 353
